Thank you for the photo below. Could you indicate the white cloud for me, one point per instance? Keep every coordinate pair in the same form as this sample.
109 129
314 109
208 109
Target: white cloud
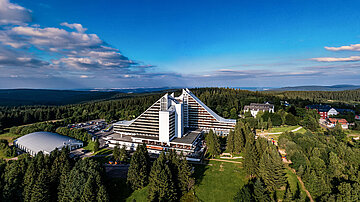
352 47
11 13
333 59
76 26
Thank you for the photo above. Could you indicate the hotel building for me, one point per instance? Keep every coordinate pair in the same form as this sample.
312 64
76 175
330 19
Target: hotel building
171 123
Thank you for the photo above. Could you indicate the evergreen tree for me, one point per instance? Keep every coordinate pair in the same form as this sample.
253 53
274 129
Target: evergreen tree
269 122
102 195
96 145
161 185
251 160
271 169
184 176
213 144
287 195
239 137
139 168
40 191
244 194
88 194
230 142
123 156
29 181
260 193
116 152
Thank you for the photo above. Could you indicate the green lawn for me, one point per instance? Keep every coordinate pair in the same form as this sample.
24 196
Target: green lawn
282 129
103 152
139 195
352 132
218 181
90 146
293 181
9 137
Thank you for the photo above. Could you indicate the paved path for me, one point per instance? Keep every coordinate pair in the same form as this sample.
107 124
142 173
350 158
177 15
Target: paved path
278 133
301 182
225 161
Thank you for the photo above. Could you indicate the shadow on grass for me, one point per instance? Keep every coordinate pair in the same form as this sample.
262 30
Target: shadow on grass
199 172
118 189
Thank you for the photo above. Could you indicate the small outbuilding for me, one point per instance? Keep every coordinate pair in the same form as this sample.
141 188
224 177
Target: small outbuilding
46 142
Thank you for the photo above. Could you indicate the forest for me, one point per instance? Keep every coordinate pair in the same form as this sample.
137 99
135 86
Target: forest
54 177
224 101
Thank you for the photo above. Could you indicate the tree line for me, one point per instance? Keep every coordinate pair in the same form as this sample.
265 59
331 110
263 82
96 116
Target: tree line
53 177
227 102
328 162
262 163
168 178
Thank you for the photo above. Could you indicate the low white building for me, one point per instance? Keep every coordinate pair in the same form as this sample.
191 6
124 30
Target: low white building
45 142
254 108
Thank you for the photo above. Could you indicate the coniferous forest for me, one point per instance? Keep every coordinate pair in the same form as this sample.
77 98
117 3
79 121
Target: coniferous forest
327 161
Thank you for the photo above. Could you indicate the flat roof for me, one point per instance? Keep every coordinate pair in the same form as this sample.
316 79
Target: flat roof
189 137
124 122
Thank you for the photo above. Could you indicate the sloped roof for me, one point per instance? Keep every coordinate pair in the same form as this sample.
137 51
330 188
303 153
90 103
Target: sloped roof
217 117
45 141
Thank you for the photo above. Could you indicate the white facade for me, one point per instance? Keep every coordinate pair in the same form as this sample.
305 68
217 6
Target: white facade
332 112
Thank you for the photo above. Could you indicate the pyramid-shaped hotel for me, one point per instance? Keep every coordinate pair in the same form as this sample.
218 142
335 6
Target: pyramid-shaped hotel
171 123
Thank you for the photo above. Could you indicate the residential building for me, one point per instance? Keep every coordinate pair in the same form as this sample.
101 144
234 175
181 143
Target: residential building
333 121
254 108
326 111
171 123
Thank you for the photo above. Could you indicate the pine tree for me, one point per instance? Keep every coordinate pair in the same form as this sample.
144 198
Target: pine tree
40 191
213 144
139 168
250 160
161 185
88 194
102 195
230 142
123 156
184 176
244 194
116 153
288 195
29 181
260 193
239 137
96 145
271 169
269 122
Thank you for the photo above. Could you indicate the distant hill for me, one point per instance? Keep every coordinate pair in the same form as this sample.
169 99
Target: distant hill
318 88
15 97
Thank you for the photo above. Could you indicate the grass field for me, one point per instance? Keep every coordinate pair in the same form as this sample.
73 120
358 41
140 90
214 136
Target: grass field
9 137
293 182
218 181
282 129
353 132
104 151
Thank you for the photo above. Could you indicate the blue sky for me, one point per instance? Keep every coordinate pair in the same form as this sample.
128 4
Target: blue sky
120 44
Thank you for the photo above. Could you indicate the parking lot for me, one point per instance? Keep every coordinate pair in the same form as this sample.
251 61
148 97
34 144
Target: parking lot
97 128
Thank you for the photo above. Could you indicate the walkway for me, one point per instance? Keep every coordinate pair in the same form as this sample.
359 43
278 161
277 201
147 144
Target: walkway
301 182
225 161
278 133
